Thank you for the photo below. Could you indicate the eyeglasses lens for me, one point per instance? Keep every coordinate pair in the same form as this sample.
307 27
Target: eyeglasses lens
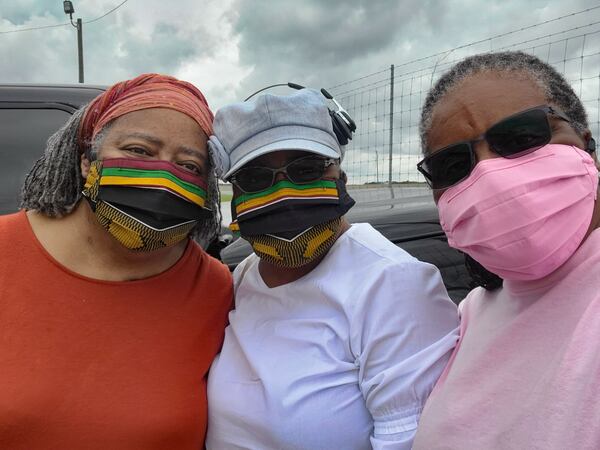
306 170
522 133
303 170
254 179
510 138
449 166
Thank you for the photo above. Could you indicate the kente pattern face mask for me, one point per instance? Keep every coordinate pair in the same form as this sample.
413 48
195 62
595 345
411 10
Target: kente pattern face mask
522 218
291 217
145 205
299 250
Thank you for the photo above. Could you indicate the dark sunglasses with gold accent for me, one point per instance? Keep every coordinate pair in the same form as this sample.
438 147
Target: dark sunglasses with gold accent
300 171
514 136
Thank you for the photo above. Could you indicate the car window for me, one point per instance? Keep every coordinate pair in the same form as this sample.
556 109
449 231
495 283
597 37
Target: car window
23 136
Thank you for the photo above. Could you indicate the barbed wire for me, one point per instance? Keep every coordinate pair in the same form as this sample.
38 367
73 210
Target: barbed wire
573 49
471 44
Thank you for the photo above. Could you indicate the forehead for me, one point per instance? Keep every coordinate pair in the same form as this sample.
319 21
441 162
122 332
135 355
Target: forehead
161 123
478 102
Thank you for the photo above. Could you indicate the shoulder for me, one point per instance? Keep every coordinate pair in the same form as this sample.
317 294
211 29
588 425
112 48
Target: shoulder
12 227
367 271
365 251
248 264
212 281
365 241
9 221
473 303
216 270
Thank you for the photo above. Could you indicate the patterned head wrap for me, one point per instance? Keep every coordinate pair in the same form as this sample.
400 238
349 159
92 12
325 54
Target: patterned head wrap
146 91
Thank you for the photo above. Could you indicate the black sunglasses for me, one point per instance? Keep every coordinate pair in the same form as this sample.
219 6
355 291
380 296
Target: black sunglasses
514 136
300 171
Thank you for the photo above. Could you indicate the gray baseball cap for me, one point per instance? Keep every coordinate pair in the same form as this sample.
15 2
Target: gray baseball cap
247 130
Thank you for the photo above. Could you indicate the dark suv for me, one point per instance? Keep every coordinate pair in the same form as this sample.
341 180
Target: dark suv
29 114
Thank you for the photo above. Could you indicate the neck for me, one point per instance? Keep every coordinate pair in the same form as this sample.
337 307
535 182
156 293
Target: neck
274 276
78 242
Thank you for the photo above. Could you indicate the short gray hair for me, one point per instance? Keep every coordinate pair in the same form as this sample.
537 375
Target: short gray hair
54 184
556 89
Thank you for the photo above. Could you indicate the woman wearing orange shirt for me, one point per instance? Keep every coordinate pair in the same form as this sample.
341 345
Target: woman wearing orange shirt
110 314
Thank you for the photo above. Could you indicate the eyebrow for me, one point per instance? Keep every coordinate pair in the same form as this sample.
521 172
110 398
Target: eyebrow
156 141
192 152
144 136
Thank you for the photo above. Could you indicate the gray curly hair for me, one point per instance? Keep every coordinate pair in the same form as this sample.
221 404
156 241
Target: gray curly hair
54 184
556 89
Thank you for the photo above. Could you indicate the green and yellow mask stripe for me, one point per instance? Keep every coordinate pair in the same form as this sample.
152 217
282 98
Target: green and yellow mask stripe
284 190
157 179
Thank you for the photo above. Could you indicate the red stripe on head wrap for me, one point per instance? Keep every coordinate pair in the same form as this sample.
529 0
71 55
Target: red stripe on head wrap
146 91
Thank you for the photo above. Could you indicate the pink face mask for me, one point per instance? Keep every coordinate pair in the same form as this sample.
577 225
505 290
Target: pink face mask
522 218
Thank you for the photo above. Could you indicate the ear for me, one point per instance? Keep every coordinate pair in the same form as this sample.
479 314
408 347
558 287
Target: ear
84 165
590 147
596 160
590 143
343 177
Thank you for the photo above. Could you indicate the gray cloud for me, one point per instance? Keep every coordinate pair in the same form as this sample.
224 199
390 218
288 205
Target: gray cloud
163 50
322 33
324 43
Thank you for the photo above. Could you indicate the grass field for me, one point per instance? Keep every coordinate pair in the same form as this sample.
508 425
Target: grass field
226 192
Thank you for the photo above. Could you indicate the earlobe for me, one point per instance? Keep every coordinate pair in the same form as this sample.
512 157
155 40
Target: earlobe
85 166
596 160
343 177
591 145
590 142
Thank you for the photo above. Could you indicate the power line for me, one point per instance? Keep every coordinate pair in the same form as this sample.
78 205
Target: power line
35 28
66 23
107 13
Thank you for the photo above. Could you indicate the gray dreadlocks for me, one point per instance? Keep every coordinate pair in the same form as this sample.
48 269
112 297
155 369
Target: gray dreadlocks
54 184
556 89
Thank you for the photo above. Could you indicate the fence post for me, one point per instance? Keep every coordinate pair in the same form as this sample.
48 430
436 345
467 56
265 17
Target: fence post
391 122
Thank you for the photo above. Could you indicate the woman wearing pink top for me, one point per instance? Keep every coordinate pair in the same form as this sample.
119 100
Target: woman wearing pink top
513 169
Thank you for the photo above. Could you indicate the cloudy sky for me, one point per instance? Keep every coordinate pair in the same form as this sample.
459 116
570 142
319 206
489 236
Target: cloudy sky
230 48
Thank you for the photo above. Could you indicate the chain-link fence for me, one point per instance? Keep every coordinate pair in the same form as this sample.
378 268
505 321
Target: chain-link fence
386 104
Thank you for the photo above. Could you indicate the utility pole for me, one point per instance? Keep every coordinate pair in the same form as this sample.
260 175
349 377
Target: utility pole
80 48
68 8
391 121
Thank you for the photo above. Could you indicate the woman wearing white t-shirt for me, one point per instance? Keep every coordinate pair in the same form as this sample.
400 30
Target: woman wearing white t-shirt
338 336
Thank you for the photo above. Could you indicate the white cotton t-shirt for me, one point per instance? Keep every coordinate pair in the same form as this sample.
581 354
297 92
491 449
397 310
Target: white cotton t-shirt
342 358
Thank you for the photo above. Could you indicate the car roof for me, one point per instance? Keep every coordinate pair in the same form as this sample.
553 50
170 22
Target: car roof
74 95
